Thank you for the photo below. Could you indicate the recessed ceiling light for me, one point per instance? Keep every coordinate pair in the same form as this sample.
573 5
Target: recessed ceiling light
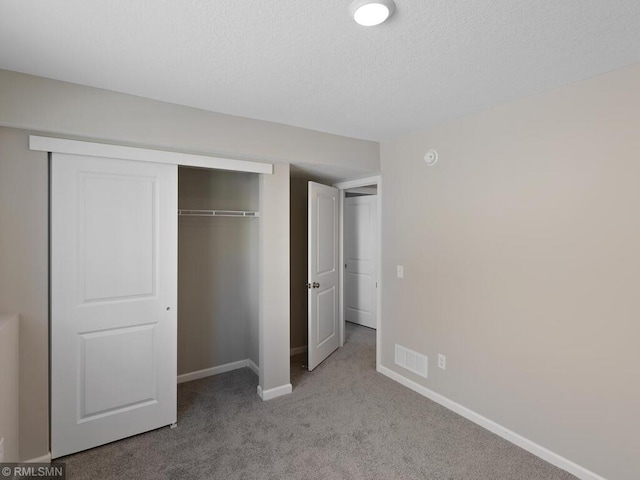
371 12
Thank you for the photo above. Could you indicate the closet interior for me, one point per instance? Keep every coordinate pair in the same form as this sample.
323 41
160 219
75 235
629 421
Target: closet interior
218 245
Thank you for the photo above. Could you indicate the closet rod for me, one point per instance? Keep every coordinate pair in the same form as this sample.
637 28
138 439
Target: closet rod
217 213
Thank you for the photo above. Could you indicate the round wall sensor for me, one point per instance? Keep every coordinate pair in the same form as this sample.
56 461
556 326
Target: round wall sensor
431 157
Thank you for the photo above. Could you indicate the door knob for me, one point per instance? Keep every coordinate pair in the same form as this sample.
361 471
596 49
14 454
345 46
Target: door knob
316 285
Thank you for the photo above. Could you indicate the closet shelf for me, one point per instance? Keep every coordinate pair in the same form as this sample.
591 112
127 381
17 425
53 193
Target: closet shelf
217 213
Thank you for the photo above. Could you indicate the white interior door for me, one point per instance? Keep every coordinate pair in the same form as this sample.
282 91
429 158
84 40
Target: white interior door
324 273
360 254
113 300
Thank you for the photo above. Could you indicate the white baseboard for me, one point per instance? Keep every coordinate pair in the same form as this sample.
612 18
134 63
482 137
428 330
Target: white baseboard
298 350
253 366
207 372
519 440
274 392
43 459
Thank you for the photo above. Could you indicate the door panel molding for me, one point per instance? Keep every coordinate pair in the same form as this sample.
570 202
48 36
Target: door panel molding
324 273
114 345
360 259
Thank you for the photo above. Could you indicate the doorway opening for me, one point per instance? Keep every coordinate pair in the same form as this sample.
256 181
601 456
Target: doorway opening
360 256
360 240
359 284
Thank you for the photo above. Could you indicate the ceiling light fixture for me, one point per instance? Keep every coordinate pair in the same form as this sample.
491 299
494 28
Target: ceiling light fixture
371 12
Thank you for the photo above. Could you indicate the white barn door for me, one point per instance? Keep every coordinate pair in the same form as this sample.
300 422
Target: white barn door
113 299
324 273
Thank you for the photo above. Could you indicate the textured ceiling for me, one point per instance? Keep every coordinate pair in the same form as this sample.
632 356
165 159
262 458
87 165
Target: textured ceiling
306 63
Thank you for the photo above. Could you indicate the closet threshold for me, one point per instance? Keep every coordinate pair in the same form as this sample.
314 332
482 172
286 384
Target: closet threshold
218 213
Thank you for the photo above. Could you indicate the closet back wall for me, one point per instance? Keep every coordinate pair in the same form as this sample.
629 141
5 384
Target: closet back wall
217 270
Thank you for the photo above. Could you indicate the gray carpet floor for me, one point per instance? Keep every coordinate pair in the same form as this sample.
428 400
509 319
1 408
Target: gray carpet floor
342 421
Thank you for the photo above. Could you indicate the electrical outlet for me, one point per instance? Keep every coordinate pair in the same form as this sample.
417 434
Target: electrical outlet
400 271
442 361
1 450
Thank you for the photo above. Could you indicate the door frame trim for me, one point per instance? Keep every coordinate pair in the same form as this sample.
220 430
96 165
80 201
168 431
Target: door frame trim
343 186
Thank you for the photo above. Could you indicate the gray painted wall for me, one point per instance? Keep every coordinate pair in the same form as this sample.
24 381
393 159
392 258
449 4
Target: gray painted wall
24 278
522 265
274 310
217 270
67 110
